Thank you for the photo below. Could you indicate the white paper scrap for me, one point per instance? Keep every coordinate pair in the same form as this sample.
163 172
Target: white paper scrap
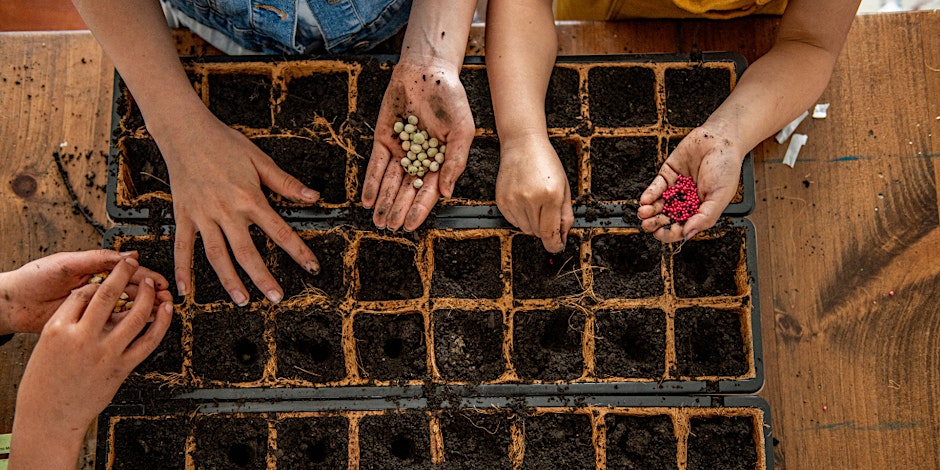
785 133
793 150
819 112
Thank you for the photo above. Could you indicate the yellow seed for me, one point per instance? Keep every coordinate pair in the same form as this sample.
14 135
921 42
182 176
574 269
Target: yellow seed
413 120
418 183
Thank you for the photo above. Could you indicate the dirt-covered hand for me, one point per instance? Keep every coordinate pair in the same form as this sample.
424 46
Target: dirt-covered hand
532 190
714 163
434 94
32 293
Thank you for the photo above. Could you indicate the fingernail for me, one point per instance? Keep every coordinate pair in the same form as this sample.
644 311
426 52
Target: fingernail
239 298
128 253
309 194
168 307
274 296
131 261
691 234
312 268
148 281
181 289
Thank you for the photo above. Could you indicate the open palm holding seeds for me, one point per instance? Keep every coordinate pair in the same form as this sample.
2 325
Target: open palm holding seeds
423 153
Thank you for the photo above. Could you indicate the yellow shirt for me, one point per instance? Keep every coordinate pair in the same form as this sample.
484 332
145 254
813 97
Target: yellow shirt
622 9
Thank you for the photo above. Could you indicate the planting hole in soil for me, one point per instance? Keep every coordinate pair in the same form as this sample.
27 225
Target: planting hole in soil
627 266
468 346
641 442
394 441
725 442
391 347
709 342
469 268
312 442
622 97
539 274
228 345
399 281
547 344
630 343
555 440
310 345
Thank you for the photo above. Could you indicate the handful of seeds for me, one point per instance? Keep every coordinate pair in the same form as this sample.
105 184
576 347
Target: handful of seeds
424 153
123 304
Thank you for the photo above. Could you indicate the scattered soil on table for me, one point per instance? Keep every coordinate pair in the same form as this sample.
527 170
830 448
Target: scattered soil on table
562 102
468 346
470 268
630 343
477 86
371 85
330 249
150 443
555 440
537 273
708 267
230 442
569 152
478 180
228 345
394 441
310 345
241 99
627 266
317 164
320 94
475 439
641 442
622 167
622 96
722 442
692 94
207 288
387 271
709 342
148 170
391 347
312 442
547 344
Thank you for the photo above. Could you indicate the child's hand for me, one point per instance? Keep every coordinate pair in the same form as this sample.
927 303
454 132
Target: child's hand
32 293
714 164
532 190
78 365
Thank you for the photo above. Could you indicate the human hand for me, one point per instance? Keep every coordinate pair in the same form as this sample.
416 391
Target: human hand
714 163
32 293
78 364
430 90
222 210
532 191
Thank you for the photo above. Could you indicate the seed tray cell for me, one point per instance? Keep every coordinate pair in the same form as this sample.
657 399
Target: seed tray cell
612 120
502 433
483 311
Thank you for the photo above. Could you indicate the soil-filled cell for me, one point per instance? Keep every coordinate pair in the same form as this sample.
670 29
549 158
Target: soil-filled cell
475 440
627 266
150 443
329 248
241 99
622 167
469 268
225 441
693 93
167 359
319 94
371 84
562 102
477 85
709 267
547 344
622 96
208 288
722 442
555 440
630 343
145 166
478 180
641 442
569 152
155 254
228 345
387 271
317 164
537 273
468 346
391 347
315 442
395 441
309 344
709 342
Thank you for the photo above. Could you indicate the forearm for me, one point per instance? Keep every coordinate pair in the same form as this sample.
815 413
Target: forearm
6 306
520 55
437 33
42 440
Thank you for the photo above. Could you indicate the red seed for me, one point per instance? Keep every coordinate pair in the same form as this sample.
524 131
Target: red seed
682 200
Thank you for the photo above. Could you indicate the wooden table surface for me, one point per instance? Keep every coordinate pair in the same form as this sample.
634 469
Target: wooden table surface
852 372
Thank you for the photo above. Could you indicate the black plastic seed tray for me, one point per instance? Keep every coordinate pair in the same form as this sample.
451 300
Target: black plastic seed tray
612 120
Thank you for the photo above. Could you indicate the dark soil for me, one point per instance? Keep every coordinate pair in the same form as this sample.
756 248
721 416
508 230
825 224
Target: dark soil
168 357
707 267
150 443
387 271
547 344
468 346
329 248
709 342
230 442
627 266
475 440
630 343
317 164
622 96
395 441
470 268
562 102
146 167
722 442
555 440
371 85
477 86
391 347
127 109
569 152
321 94
156 255
312 443
478 180
241 99
310 345
229 346
537 273
692 94
622 167
207 288
641 442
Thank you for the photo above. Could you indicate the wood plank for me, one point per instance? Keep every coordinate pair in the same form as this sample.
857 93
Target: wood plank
39 15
